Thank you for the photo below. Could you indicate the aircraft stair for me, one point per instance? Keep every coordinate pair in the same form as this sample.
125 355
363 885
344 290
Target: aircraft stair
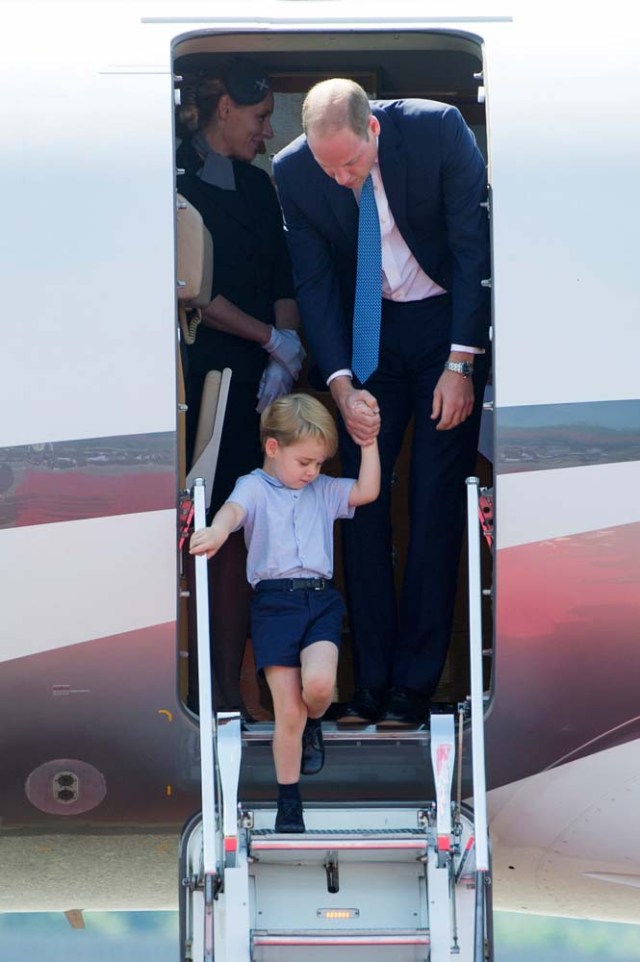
387 881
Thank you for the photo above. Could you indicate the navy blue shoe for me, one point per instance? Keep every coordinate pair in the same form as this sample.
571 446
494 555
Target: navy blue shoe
312 749
363 708
404 708
289 815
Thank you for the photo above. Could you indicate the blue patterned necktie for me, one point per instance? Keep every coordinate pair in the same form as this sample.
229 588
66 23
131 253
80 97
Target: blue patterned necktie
368 304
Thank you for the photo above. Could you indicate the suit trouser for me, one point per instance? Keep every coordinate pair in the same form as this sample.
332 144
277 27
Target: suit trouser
406 643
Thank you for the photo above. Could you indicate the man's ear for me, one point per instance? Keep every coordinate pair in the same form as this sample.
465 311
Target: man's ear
271 447
374 125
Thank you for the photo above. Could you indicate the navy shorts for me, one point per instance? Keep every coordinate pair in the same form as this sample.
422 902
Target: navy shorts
285 622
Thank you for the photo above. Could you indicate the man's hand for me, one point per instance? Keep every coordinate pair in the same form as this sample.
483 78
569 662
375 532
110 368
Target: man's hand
359 410
452 400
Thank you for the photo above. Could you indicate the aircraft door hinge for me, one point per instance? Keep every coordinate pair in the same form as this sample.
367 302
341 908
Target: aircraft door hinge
177 93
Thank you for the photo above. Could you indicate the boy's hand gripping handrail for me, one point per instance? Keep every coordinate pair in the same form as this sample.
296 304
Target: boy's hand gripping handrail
212 864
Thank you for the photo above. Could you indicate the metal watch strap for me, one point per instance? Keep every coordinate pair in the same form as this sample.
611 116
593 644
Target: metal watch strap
459 367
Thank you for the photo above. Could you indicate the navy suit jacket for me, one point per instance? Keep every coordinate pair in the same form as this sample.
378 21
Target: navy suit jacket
434 177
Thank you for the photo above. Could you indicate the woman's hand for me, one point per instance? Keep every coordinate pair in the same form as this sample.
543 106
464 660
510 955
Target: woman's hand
285 347
275 382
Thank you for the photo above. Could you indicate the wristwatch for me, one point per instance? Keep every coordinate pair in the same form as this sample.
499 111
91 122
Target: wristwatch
459 367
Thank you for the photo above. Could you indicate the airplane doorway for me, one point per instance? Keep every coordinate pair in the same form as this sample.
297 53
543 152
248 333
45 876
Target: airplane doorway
445 66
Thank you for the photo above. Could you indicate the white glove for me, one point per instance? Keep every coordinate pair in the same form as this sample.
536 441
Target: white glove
285 347
275 382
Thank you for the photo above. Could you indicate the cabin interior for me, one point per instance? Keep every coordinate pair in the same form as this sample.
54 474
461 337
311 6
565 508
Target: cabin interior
439 65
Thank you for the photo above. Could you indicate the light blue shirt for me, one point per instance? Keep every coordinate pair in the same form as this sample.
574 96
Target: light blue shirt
289 532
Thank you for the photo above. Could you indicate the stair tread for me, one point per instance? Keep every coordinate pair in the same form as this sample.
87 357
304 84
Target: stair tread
341 833
281 933
344 936
351 937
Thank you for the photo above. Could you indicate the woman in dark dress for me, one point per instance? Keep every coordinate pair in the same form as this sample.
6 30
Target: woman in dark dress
249 325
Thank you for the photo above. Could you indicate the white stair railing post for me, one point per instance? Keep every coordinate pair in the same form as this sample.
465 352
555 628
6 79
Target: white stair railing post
439 863
481 822
477 686
210 868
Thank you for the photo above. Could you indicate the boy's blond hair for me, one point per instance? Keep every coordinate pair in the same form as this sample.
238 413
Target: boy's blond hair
296 417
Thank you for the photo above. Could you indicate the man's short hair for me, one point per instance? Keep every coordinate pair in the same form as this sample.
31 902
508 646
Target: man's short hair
332 105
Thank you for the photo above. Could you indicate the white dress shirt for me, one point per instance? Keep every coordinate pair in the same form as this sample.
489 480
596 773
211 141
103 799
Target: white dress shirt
402 277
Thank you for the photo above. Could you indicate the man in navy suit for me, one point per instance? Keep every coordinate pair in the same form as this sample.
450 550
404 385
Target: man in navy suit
429 183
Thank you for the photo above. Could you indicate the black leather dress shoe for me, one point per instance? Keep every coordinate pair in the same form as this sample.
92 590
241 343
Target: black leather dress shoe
312 749
404 708
363 708
289 815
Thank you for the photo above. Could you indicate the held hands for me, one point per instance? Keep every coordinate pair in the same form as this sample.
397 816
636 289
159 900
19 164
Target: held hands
452 400
275 382
359 410
285 347
368 421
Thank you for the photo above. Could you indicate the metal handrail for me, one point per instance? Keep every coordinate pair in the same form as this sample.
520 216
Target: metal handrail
479 954
208 734
480 816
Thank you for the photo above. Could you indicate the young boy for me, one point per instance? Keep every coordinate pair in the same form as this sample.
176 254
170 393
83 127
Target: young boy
287 509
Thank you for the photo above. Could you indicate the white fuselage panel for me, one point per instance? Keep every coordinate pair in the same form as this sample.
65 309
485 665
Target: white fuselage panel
86 579
88 216
537 505
563 168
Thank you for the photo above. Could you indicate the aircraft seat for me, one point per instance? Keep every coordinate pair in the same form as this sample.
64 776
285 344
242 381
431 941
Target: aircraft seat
194 267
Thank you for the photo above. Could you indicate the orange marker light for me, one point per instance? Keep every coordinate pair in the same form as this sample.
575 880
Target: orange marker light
337 914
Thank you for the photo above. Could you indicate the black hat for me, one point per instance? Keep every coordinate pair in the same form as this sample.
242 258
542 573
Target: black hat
246 82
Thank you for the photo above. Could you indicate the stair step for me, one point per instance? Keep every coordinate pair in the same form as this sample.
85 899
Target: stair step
323 821
257 732
303 844
371 937
367 845
337 843
343 833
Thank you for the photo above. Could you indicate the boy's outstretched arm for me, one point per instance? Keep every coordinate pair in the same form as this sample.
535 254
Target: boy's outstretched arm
367 487
209 540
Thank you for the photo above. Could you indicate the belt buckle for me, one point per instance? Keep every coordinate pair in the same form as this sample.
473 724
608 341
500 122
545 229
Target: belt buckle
320 586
